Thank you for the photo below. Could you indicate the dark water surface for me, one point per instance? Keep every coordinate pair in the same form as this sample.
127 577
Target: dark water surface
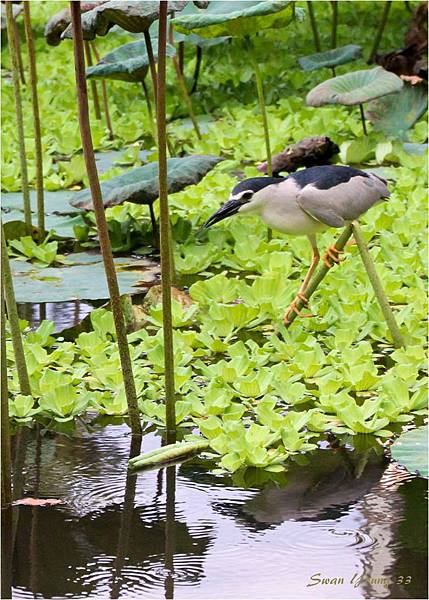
181 532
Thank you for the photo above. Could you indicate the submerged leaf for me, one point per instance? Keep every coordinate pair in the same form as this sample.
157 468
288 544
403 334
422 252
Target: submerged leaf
37 502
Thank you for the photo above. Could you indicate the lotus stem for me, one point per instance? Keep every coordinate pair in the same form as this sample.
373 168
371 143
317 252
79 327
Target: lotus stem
380 30
313 23
262 107
334 4
170 525
152 65
333 72
12 313
94 91
36 118
103 233
320 273
198 59
184 89
149 111
377 286
19 53
13 48
104 95
164 222
362 118
6 469
181 54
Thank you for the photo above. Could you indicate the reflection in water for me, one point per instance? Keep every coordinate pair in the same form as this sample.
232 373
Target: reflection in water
194 535
63 314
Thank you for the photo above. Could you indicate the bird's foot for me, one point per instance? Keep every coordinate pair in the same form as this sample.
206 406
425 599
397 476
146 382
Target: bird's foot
293 308
331 256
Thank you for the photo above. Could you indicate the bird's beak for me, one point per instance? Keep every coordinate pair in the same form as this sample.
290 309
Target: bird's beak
228 209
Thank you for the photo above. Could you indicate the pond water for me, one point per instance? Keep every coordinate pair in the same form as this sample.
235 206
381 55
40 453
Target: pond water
349 518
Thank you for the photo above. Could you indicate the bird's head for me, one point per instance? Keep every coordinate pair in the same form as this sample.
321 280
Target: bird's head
246 197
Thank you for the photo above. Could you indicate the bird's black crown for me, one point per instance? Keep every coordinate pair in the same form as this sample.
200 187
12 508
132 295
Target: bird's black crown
255 184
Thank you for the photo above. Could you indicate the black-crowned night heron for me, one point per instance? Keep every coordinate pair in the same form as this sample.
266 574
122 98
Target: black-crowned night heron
306 203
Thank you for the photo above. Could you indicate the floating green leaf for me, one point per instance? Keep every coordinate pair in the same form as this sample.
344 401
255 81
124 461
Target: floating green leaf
411 451
330 58
355 87
140 185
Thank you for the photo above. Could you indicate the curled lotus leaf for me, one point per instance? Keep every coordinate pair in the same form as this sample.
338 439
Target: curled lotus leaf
330 58
238 19
397 113
355 87
141 185
411 451
129 62
61 20
134 16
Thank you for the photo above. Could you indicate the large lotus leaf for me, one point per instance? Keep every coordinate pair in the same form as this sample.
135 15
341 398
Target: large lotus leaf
192 38
355 87
127 63
396 113
83 280
330 58
238 19
140 185
411 451
135 16
60 21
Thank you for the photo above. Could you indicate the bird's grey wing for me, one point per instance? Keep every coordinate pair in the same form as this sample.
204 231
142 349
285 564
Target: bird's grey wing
343 202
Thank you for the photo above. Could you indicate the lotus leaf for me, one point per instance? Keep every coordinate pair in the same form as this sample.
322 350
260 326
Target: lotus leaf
135 16
140 185
411 451
238 19
355 88
396 113
127 63
330 58
83 280
60 21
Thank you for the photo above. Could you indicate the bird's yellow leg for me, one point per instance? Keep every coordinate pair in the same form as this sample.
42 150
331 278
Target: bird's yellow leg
332 255
294 308
300 297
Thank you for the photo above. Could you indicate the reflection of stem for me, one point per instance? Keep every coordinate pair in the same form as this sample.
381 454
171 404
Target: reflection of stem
13 49
93 83
313 23
21 444
379 34
36 117
126 518
377 287
104 94
362 118
320 274
198 59
12 313
165 230
6 487
34 517
262 107
103 233
334 4
170 523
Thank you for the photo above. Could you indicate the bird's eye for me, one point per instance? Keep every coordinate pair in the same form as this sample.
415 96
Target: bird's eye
247 196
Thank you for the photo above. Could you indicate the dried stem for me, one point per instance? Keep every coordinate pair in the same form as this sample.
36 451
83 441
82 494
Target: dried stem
165 229
88 151
13 48
104 94
377 287
380 30
12 313
94 91
313 23
36 117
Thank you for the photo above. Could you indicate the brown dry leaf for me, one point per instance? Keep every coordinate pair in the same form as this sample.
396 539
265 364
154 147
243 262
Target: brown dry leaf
37 502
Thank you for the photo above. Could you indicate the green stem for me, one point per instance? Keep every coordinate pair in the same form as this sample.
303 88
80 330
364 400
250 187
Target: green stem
320 273
19 54
13 48
379 34
377 286
262 107
362 118
313 24
6 485
334 4
12 313
152 65
36 117
198 59
94 91
164 222
149 111
103 234
104 95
